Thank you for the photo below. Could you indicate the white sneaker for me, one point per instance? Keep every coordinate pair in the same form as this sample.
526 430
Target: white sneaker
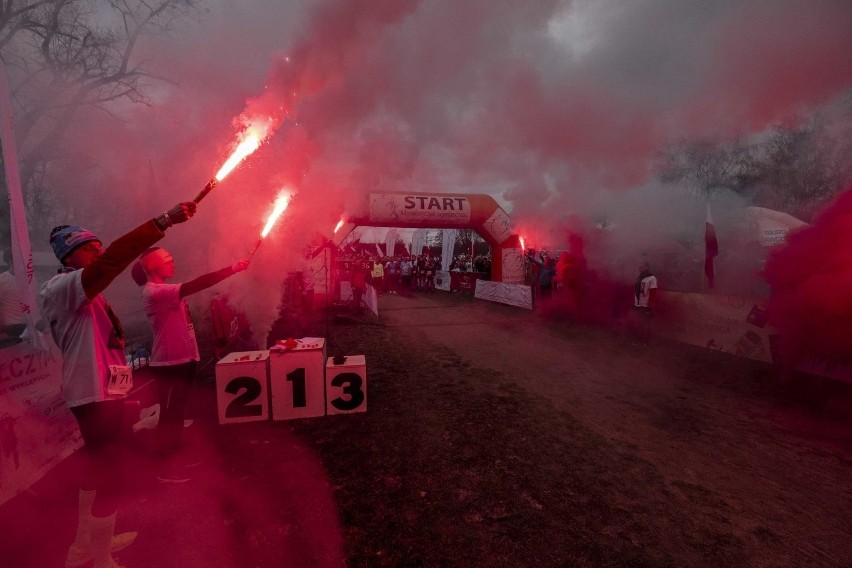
80 555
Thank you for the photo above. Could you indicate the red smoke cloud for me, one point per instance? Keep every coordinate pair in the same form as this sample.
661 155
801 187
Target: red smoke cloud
811 279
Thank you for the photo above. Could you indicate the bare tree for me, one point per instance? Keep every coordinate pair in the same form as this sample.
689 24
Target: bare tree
794 169
803 168
67 55
709 166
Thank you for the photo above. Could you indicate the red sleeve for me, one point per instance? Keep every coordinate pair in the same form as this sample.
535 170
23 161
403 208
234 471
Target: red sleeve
118 256
205 281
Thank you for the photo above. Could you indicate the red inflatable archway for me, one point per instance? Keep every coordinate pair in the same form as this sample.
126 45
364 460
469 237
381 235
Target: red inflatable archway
451 211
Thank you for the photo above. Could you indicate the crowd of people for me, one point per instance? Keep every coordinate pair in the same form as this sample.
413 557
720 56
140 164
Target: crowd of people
410 273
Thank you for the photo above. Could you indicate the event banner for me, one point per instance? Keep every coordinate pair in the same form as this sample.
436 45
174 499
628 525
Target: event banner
511 294
442 280
464 282
370 296
498 225
514 266
37 430
436 209
731 324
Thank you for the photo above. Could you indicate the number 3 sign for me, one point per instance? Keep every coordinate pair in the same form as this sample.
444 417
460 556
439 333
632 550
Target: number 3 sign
346 385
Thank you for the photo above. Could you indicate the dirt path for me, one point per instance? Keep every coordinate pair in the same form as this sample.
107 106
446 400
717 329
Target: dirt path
494 438
721 462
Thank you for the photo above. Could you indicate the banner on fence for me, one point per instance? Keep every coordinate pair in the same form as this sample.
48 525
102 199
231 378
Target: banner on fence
731 324
37 430
511 294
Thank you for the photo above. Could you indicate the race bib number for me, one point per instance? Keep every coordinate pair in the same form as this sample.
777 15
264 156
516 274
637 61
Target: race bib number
120 380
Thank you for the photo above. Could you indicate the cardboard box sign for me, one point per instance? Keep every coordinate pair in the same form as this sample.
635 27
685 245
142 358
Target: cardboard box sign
346 385
297 381
242 392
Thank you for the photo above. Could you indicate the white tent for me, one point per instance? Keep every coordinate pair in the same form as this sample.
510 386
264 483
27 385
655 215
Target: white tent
771 227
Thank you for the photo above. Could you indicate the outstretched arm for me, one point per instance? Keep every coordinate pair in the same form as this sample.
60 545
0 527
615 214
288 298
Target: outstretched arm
121 252
211 279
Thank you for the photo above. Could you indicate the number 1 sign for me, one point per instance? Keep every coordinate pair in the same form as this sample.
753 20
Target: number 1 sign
297 381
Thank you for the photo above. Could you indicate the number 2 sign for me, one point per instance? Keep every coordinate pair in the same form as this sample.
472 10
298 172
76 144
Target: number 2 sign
241 387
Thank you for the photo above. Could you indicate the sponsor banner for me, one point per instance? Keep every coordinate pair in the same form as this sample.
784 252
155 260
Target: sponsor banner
498 225
370 297
438 209
442 280
513 266
464 281
511 294
731 324
37 430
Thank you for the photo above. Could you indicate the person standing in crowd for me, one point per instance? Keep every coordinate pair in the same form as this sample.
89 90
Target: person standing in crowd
392 275
429 279
547 271
358 280
378 276
175 351
644 293
95 376
405 270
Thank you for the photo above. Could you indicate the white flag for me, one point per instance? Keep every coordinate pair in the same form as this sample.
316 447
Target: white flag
447 248
21 249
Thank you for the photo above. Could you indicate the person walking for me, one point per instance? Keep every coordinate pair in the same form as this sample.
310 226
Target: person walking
95 376
358 281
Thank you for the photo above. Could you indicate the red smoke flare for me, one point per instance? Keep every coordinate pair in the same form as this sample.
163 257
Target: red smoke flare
811 279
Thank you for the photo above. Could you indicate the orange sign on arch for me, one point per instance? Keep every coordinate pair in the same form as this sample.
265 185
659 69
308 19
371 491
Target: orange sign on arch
453 211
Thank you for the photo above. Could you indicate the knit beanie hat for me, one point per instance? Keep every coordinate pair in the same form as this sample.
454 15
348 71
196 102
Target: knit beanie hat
65 239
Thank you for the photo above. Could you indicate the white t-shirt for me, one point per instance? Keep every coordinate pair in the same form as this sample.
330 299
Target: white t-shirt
82 329
174 334
648 283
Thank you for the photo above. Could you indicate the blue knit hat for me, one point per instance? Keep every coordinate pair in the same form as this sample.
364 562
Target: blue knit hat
65 239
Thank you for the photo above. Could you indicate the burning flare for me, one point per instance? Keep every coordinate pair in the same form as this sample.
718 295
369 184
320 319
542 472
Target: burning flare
523 246
249 140
339 224
281 203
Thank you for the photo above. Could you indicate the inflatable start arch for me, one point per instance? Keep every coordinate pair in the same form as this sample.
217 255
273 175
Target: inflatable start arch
446 211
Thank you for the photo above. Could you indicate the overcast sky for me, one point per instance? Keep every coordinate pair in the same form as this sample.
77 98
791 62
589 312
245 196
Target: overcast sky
547 105
556 108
